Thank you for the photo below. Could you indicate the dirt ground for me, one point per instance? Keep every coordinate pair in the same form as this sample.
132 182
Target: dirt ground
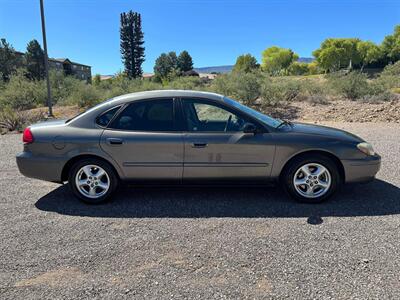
336 111
203 243
340 111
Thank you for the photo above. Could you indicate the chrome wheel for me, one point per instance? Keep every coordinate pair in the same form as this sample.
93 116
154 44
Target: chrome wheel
92 181
312 180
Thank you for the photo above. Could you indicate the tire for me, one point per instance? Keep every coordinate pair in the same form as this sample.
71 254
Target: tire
85 183
319 187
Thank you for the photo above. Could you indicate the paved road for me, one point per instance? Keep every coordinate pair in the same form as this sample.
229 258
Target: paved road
202 243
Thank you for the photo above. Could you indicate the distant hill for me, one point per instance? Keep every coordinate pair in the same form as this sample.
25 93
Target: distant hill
216 69
306 59
228 68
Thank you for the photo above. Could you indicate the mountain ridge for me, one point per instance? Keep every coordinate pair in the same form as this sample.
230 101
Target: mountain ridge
228 68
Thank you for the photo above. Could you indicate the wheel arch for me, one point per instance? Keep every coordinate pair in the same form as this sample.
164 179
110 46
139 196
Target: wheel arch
73 160
306 153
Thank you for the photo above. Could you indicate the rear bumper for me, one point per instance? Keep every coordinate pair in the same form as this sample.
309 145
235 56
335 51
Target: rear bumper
361 170
39 167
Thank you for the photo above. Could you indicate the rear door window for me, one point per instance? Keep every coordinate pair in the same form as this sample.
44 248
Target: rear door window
148 115
107 116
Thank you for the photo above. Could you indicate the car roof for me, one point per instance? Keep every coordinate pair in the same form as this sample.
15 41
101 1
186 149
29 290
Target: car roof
86 118
165 94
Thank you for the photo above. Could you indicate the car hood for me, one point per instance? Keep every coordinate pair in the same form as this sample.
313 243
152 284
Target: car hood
325 131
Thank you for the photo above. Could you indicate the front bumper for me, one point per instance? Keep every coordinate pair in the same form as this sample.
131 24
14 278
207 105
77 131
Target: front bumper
39 167
361 170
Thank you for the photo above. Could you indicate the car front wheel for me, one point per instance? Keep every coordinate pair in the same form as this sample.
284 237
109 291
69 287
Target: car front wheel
311 179
92 180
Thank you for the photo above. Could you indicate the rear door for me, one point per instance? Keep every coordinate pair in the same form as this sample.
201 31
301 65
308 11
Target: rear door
144 140
217 148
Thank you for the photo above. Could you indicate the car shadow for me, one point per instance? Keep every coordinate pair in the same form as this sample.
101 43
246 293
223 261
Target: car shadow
373 199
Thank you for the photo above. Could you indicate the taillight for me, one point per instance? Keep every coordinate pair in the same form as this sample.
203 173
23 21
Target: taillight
27 136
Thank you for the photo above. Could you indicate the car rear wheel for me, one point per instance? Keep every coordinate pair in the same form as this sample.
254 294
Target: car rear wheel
311 179
92 180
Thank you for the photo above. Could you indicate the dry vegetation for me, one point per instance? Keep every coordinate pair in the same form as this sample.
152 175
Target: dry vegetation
350 97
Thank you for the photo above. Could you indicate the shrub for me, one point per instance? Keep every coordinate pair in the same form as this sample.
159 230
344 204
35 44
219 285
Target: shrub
392 70
241 86
187 83
310 87
279 91
390 76
378 98
21 93
298 68
11 120
353 85
84 95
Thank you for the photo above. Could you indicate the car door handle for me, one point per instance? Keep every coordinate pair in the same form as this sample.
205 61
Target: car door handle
199 145
114 141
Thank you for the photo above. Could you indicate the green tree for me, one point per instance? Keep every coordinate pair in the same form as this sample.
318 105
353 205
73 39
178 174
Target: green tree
9 60
246 63
96 79
335 54
276 60
138 38
35 60
369 53
173 60
165 65
391 46
132 50
185 62
298 68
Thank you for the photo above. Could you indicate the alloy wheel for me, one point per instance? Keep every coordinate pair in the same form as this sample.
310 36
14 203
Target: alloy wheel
312 180
92 181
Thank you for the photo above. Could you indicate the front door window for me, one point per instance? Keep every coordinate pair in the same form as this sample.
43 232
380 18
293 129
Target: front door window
203 116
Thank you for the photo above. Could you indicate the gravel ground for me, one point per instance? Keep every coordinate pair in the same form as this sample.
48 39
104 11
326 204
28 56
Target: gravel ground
228 243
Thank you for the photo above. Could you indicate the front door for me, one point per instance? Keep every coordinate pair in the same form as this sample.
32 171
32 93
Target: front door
217 148
143 139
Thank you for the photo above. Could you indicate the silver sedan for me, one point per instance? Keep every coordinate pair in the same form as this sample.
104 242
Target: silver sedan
190 137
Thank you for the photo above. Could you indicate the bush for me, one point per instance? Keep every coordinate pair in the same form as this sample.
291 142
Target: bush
298 68
84 95
353 85
21 93
392 70
279 91
11 120
187 83
241 86
390 76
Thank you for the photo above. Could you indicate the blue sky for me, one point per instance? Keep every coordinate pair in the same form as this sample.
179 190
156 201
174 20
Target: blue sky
214 32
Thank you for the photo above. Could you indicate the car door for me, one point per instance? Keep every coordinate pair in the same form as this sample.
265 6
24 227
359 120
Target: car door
216 146
144 140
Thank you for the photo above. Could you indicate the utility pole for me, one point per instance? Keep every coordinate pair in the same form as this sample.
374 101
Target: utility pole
46 61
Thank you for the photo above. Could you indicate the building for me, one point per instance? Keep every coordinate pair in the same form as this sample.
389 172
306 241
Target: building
75 69
80 71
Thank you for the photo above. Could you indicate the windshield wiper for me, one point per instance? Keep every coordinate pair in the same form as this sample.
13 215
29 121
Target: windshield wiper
285 122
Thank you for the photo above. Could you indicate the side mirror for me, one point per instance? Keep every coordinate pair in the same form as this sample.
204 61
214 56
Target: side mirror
249 128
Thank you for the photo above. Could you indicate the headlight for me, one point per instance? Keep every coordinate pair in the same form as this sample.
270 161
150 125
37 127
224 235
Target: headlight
366 148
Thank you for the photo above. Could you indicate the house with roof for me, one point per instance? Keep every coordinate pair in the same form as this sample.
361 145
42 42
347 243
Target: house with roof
78 70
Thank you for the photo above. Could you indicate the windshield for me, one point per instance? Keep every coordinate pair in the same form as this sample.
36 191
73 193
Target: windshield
256 114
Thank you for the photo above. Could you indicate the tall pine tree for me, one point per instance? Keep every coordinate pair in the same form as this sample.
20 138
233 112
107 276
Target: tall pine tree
138 42
185 62
35 60
132 40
